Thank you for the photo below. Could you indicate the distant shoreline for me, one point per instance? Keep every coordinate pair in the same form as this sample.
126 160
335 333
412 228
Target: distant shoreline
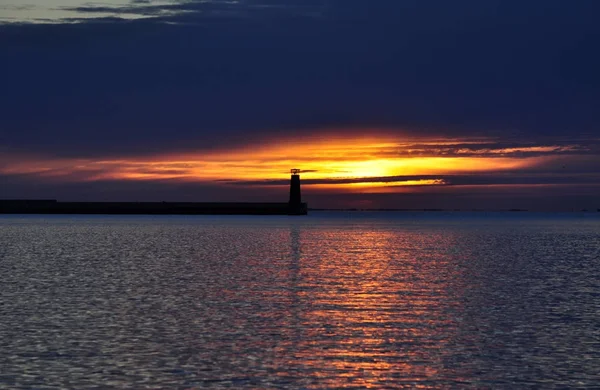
458 210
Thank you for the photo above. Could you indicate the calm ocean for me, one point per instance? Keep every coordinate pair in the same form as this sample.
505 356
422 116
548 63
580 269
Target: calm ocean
332 300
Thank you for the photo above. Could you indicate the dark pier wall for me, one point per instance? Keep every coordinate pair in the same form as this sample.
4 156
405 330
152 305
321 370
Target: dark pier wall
149 208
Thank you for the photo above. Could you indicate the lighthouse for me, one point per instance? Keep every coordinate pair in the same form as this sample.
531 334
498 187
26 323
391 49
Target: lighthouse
296 207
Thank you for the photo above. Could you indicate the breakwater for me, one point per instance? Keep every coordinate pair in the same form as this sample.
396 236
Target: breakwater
150 208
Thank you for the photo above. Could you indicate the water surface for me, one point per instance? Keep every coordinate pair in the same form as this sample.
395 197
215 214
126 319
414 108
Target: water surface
332 300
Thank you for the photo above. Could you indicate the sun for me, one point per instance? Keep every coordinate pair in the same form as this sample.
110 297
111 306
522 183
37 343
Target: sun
368 168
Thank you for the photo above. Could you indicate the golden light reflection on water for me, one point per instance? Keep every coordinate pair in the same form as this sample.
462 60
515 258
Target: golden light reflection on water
334 300
374 314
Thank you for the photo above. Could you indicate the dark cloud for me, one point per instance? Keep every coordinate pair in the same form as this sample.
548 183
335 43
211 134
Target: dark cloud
494 178
34 187
523 68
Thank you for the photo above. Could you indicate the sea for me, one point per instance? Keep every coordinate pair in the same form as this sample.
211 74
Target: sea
333 300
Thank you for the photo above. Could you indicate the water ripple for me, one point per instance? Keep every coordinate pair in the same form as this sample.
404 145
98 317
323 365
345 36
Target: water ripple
322 302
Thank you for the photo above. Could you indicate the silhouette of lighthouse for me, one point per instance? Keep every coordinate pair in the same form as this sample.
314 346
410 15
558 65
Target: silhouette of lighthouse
296 207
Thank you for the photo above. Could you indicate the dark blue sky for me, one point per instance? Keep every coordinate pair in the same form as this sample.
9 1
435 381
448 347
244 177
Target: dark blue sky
197 75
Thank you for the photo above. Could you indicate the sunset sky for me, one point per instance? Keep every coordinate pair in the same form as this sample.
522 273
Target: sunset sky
403 103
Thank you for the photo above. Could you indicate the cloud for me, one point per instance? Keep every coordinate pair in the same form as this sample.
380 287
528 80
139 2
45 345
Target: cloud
226 74
504 178
336 164
198 12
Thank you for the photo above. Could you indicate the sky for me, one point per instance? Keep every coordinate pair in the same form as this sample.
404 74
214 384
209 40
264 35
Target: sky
463 104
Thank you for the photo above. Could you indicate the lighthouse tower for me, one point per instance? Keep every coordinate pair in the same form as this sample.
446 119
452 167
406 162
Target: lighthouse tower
296 207
295 197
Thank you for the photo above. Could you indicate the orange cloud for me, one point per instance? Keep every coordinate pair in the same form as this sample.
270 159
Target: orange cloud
324 158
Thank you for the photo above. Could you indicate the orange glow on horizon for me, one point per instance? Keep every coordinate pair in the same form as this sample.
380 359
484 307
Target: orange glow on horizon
319 159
